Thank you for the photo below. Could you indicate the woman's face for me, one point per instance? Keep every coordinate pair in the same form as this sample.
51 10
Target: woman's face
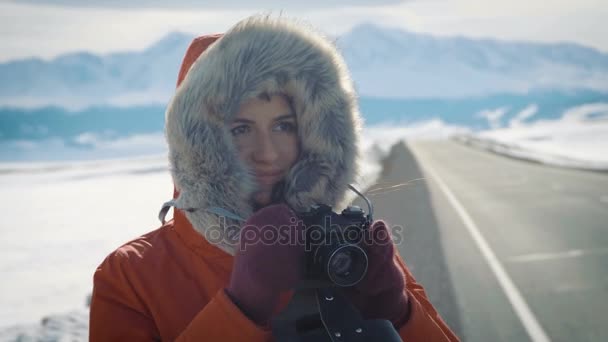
265 133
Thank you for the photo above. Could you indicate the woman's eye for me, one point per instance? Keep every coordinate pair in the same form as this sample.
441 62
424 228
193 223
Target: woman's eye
286 127
238 130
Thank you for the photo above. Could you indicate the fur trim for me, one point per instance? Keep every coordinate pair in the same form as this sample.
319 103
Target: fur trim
262 54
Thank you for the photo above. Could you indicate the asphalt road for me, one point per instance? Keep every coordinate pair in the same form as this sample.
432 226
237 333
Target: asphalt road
507 250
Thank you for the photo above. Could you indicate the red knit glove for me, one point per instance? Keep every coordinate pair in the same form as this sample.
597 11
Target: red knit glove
381 293
269 261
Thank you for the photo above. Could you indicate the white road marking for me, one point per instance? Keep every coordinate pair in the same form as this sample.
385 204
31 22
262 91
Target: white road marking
525 315
573 253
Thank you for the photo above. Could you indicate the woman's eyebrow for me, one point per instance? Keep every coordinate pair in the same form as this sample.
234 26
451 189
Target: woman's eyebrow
278 118
285 116
243 120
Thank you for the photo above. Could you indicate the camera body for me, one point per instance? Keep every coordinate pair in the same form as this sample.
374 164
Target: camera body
334 253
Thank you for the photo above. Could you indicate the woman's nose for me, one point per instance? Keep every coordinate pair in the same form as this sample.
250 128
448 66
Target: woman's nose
265 149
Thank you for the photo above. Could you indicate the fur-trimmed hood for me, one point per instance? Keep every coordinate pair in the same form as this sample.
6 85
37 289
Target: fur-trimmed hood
272 55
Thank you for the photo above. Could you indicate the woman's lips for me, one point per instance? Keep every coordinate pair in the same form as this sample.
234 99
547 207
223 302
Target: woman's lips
268 177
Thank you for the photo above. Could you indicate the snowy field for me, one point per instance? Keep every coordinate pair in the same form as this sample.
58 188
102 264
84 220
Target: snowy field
61 219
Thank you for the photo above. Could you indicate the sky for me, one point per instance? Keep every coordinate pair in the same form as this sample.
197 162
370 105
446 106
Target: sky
47 28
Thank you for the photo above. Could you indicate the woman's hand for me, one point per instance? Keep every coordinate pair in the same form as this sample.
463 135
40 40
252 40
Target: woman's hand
269 261
381 293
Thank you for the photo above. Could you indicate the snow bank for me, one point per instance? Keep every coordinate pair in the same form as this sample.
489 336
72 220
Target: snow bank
578 140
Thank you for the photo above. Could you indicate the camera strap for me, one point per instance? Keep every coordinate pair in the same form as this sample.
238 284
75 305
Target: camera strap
340 319
325 315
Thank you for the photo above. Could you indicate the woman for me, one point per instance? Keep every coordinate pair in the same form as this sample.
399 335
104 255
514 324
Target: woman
264 123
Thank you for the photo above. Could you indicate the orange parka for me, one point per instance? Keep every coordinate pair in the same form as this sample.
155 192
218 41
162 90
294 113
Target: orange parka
169 285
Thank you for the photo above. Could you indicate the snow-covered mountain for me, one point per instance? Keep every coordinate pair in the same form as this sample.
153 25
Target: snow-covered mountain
384 62
79 80
397 63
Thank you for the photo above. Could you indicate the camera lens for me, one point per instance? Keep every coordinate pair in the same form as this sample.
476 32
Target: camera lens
341 263
347 265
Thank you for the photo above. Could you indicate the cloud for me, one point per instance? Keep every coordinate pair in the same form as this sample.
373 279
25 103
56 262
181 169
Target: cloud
46 31
47 28
214 4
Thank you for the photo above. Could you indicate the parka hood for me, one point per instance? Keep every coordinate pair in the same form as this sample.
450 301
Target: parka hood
260 54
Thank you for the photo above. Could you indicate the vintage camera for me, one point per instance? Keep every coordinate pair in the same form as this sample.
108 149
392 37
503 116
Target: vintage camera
334 250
